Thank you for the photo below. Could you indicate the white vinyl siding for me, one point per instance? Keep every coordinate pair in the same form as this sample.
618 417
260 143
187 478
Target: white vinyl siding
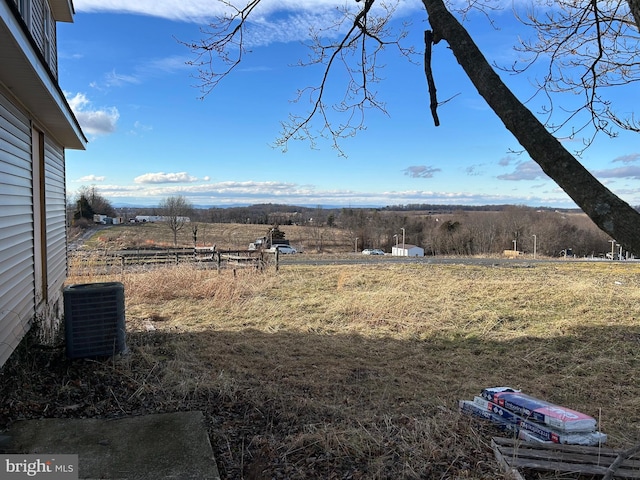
56 224
36 125
20 197
16 228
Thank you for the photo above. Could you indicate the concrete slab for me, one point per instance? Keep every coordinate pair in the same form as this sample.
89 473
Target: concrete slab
147 447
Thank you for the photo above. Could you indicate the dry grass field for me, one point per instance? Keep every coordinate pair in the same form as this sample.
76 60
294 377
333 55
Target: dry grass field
226 236
354 372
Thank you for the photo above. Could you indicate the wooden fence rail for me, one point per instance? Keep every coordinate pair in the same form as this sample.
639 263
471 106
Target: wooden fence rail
97 262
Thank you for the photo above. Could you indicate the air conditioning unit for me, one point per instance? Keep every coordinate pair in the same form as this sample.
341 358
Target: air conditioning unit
94 320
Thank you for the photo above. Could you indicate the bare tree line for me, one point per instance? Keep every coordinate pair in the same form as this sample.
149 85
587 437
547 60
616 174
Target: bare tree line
440 231
450 231
478 233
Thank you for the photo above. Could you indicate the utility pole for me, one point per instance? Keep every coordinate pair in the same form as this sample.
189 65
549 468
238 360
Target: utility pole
613 246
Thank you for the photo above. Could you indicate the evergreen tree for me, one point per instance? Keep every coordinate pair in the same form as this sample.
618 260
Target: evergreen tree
83 209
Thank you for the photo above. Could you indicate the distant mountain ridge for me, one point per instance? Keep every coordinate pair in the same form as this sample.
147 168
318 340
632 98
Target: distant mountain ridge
436 208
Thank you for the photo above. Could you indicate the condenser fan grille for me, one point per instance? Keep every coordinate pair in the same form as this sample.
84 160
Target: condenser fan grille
94 319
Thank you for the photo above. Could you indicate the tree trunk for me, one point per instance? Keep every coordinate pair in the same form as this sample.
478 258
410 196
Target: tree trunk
634 6
610 213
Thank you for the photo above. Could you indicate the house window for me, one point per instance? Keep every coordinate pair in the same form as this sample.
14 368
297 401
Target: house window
47 28
24 9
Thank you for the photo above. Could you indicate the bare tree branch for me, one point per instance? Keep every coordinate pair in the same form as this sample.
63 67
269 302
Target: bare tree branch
599 41
367 37
433 105
356 52
223 41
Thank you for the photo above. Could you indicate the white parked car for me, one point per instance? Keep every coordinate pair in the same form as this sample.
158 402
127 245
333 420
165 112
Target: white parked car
372 251
284 249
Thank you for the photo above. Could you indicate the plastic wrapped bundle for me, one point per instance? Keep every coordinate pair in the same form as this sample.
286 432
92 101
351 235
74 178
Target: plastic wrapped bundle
540 430
540 411
471 408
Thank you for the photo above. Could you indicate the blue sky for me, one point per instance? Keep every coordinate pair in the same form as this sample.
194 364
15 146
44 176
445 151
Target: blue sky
125 75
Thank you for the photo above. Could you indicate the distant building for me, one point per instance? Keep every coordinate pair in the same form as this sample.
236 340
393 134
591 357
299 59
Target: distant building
105 220
158 218
407 251
148 218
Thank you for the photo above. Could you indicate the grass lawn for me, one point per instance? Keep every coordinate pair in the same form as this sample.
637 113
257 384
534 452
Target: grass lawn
346 371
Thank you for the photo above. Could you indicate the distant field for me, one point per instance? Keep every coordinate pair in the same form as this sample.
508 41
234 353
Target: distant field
355 371
226 236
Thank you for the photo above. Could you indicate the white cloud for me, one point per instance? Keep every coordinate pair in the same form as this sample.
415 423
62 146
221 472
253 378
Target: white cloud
161 177
631 158
528 170
202 10
621 172
251 192
91 179
115 191
93 121
266 30
139 129
114 79
174 10
271 21
421 171
141 126
122 189
506 161
167 64
474 170
250 188
151 68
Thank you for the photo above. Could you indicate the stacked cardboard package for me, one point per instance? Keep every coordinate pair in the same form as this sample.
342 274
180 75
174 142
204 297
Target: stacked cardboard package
533 419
